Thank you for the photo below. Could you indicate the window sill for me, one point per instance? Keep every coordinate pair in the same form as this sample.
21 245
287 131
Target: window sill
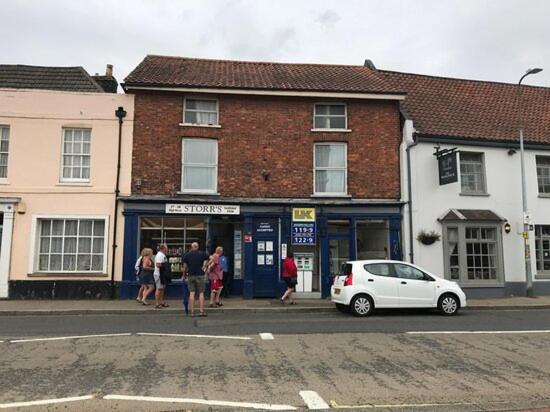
475 194
472 284
211 126
542 276
332 130
342 195
192 192
542 195
4 182
84 184
67 275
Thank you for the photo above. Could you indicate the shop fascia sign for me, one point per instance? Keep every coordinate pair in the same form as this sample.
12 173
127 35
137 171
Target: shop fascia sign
200 209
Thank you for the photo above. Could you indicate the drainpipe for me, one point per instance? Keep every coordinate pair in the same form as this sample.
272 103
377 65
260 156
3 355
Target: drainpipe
121 114
410 200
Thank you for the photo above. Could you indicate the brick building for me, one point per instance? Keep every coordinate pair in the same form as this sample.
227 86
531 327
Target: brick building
225 151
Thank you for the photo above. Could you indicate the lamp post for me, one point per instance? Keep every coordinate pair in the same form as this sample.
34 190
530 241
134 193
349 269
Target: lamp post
528 275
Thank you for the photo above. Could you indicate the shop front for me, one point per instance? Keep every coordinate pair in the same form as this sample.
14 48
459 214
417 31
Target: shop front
257 236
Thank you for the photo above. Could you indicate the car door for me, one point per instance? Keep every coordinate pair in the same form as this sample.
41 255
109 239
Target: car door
382 284
416 289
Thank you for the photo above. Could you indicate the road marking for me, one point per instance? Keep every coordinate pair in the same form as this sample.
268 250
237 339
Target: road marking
44 402
313 400
471 332
69 337
336 405
251 405
194 336
266 336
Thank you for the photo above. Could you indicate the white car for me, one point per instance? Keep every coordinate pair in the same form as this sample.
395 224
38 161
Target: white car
364 285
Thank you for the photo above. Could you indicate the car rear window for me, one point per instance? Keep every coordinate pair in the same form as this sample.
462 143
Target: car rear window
345 269
379 269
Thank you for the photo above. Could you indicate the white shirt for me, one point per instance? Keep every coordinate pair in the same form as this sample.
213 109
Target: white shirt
159 258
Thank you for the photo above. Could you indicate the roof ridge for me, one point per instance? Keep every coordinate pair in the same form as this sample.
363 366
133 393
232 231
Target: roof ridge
259 62
460 79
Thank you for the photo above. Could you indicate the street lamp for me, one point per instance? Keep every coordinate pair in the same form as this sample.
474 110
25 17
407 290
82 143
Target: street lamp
528 276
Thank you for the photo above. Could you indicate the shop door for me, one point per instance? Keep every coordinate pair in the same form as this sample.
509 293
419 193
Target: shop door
266 257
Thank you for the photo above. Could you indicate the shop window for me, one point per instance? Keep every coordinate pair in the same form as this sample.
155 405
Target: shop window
542 247
199 165
330 116
330 169
472 173
201 111
473 254
4 149
176 232
543 174
372 239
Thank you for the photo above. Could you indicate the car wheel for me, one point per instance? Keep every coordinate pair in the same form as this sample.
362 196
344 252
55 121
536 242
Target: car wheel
361 305
342 308
448 305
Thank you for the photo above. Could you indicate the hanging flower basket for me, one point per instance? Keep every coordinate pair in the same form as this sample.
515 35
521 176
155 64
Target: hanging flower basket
428 238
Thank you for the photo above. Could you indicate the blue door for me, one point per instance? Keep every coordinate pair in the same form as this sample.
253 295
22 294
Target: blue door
266 257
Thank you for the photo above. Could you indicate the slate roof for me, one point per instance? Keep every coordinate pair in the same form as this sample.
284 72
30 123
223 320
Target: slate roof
167 71
471 214
472 109
73 79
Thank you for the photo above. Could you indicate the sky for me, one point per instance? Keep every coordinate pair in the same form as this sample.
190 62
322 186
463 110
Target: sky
494 40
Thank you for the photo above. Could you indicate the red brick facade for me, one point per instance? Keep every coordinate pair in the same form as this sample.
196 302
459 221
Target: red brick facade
267 134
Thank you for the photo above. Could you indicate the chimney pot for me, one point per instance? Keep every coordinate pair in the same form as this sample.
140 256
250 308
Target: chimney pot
109 70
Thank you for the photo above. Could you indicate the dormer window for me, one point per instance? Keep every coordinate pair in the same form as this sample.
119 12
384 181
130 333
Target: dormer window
200 111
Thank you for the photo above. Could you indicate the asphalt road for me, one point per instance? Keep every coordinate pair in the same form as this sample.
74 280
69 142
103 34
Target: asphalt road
348 362
13 327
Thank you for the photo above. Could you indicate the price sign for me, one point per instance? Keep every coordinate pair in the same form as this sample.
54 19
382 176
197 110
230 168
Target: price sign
303 233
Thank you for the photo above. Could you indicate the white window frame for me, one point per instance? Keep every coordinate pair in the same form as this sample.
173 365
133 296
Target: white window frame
217 124
324 129
72 179
199 191
34 252
4 179
483 191
539 237
541 158
331 194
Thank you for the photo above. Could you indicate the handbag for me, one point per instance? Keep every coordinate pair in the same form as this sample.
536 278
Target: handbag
165 273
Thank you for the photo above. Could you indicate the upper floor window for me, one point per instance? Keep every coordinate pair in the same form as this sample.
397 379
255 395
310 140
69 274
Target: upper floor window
199 165
4 149
201 111
542 248
330 168
543 174
76 155
472 173
330 116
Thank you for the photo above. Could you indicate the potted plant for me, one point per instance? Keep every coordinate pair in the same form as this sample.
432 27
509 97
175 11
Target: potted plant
428 238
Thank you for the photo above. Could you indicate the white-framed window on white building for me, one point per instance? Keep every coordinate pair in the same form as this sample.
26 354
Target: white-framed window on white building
70 245
4 151
330 116
199 169
76 153
472 173
542 247
330 169
200 111
543 174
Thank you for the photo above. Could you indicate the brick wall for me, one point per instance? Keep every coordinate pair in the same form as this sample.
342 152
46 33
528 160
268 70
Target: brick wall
270 134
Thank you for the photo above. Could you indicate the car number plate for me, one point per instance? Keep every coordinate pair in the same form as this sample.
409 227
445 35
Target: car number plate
336 291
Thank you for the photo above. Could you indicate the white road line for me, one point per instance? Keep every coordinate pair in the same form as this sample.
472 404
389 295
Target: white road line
266 336
313 400
264 406
69 337
194 336
44 402
471 332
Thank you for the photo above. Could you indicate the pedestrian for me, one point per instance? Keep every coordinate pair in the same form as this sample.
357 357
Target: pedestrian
290 276
159 276
224 262
215 274
145 275
194 265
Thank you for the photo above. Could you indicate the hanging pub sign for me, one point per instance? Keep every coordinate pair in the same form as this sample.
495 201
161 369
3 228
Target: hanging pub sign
448 170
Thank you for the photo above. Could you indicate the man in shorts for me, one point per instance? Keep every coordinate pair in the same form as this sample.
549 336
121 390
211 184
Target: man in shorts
160 259
194 264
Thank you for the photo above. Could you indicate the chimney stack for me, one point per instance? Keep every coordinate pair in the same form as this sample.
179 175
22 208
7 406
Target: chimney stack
109 70
370 64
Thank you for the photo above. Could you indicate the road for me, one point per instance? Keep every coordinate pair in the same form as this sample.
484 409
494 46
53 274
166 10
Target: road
346 361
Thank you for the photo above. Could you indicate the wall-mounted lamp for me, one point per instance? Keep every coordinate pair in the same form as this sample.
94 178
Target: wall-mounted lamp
507 227
265 175
511 152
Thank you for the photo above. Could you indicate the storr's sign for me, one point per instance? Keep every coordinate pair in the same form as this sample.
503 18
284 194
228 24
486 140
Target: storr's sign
448 172
192 209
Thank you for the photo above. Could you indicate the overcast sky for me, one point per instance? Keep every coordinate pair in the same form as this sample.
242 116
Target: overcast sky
478 39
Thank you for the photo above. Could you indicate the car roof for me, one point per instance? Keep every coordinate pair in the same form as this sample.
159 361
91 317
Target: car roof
363 262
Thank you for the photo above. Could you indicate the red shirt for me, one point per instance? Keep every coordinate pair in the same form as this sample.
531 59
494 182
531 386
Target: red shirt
289 268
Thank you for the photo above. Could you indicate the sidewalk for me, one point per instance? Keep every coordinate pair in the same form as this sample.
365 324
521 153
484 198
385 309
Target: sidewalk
231 305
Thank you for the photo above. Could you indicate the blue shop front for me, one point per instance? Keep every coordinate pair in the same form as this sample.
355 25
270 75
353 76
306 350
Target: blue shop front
257 234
